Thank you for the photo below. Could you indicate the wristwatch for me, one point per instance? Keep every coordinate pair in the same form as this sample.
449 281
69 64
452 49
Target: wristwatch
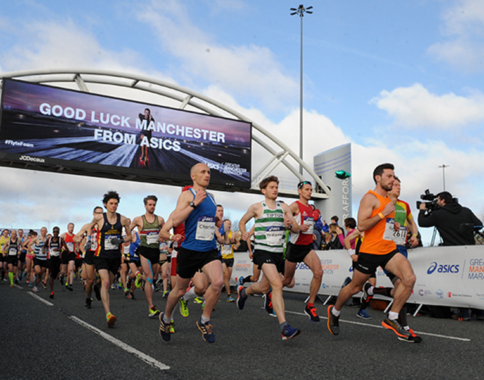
192 204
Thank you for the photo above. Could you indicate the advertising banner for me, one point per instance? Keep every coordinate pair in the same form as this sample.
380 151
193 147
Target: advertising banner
48 125
446 276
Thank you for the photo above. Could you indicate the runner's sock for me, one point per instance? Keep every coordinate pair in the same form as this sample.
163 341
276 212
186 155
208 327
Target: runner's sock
190 294
282 325
204 320
10 276
392 315
403 316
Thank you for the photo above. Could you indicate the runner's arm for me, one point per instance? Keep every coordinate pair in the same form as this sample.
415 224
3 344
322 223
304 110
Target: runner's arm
367 204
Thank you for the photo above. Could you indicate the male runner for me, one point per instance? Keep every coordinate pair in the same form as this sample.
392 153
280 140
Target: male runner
107 257
376 218
12 249
149 226
3 257
21 258
301 248
40 257
197 209
53 247
92 238
69 256
271 220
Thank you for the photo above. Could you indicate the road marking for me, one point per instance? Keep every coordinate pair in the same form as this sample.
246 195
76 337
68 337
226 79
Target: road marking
40 299
17 286
381 327
147 359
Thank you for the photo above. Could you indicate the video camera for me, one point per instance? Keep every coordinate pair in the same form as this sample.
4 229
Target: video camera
431 205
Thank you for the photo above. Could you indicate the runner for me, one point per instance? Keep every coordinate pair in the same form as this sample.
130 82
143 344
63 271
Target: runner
21 258
376 218
90 247
197 209
3 256
149 226
301 249
29 259
227 251
107 257
271 220
40 258
69 256
53 247
12 249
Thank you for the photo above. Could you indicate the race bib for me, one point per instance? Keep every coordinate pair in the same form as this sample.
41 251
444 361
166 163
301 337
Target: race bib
389 229
108 245
226 249
400 236
309 221
174 254
70 247
275 235
12 251
126 249
205 228
152 238
54 252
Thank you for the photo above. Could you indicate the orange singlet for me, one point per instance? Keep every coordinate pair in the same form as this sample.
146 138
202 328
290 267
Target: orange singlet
374 242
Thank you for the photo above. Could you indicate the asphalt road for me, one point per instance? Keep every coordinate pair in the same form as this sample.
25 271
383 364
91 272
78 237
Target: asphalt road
63 340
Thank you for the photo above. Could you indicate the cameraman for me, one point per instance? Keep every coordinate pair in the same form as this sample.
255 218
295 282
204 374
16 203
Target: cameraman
455 223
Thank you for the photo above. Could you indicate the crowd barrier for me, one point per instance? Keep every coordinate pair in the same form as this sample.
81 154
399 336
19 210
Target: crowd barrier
446 276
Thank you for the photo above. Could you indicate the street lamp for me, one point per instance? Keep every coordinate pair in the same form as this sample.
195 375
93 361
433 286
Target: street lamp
300 12
443 166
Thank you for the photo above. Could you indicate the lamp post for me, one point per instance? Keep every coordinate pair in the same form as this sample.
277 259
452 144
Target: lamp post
443 166
300 12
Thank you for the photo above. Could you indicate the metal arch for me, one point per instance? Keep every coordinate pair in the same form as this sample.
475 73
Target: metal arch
185 97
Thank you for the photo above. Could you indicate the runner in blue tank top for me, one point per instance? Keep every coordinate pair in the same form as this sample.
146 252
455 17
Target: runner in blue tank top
197 209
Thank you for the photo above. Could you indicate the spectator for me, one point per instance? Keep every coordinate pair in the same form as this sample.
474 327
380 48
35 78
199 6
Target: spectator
335 242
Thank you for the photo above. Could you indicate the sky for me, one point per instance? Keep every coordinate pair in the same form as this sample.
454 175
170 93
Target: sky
401 81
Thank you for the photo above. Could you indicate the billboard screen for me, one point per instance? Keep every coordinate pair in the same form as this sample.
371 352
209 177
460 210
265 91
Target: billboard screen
46 125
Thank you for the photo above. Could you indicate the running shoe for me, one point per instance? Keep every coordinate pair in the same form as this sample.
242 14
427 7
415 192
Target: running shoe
183 308
44 285
197 300
11 286
164 329
396 327
289 332
111 319
15 282
156 289
131 296
166 293
206 329
363 314
70 288
138 279
153 312
365 297
61 281
333 321
240 281
312 313
172 327
240 297
268 303
230 298
97 291
27 281
87 305
126 292
31 284
413 338
51 296
34 289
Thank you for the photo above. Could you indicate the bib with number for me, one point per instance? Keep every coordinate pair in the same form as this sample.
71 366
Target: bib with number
309 221
108 245
70 247
205 228
275 235
152 238
12 251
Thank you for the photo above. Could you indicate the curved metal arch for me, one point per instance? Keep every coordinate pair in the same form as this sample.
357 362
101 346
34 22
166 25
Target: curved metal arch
185 97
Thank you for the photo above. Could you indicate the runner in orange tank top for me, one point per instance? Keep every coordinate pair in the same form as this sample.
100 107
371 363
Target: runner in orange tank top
376 219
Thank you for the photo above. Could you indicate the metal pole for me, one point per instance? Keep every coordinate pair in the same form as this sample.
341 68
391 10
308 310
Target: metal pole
443 166
301 101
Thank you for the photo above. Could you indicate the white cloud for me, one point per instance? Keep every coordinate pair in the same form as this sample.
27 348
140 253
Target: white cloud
416 107
464 32
248 71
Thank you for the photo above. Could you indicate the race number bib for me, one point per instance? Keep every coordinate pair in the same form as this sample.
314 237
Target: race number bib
12 252
205 228
54 252
389 229
152 238
309 221
400 236
275 235
108 245
174 254
126 249
70 247
226 249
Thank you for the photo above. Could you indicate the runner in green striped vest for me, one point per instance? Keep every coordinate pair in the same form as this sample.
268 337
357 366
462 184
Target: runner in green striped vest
272 218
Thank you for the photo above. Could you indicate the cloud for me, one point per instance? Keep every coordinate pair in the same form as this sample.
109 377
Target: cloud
248 71
463 30
415 107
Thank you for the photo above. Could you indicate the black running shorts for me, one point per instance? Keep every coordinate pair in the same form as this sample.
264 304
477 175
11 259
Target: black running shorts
11 260
295 253
54 266
264 257
40 263
368 263
151 254
111 265
189 262
229 263
89 258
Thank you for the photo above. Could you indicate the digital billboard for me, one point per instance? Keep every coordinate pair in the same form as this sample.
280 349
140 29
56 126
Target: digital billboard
46 125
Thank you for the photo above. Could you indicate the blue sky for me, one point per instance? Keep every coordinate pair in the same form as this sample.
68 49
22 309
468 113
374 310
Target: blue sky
401 81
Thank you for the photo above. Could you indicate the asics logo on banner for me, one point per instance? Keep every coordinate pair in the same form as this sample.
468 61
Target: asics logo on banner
443 268
34 159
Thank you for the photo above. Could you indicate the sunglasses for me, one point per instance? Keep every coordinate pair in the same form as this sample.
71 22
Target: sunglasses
302 183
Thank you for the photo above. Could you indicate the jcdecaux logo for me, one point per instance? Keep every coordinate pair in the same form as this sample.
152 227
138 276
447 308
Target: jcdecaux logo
443 268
